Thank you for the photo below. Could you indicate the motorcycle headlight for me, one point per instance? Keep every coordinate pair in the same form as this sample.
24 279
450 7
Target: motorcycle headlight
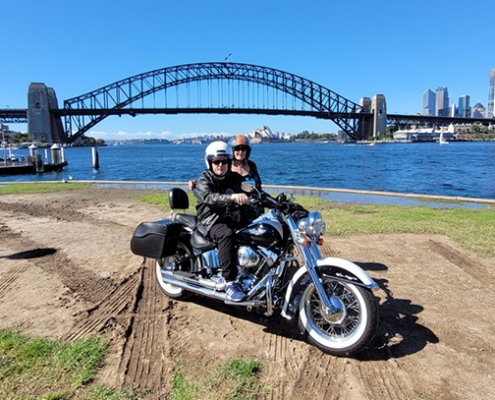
313 225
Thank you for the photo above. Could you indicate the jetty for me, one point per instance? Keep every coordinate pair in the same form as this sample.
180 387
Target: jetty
34 164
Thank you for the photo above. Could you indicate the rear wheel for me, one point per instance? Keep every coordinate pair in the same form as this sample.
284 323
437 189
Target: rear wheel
182 257
345 329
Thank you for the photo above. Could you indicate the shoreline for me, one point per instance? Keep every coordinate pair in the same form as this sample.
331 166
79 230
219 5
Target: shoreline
333 194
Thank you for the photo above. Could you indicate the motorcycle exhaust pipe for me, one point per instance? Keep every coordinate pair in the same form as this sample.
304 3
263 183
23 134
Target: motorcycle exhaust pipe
194 286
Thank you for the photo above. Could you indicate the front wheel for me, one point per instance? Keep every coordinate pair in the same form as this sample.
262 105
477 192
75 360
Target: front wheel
182 257
345 329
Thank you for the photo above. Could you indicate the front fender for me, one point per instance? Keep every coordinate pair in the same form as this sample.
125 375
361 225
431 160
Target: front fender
337 268
345 270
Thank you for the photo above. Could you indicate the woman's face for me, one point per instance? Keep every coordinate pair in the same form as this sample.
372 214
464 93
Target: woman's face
240 152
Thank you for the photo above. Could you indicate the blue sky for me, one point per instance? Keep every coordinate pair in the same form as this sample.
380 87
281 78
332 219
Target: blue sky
358 48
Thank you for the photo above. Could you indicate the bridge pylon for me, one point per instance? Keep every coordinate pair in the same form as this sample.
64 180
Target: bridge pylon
379 110
44 126
375 124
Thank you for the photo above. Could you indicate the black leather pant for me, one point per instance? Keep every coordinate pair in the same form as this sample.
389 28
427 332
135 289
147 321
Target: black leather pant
223 236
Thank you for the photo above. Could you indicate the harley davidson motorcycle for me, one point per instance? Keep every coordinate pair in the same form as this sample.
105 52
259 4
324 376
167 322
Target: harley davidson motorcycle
280 268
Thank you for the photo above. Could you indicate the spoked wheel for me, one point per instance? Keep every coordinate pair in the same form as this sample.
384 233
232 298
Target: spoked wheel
348 326
181 256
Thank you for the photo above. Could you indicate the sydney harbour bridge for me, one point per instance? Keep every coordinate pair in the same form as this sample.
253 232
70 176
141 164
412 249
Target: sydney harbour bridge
214 88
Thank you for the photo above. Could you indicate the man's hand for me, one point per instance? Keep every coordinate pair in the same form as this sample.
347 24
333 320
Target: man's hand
192 184
239 198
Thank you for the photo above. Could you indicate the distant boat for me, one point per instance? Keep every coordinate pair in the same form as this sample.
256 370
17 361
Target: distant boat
442 140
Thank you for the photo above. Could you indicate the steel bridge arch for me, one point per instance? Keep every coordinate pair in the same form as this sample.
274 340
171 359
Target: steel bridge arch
117 98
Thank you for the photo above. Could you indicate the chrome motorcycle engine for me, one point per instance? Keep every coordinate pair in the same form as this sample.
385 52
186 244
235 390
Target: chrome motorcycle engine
247 257
251 261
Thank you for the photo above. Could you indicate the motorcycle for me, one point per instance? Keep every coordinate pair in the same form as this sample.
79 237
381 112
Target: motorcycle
280 268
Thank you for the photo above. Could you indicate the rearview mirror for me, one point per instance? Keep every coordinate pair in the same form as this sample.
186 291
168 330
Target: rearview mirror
248 186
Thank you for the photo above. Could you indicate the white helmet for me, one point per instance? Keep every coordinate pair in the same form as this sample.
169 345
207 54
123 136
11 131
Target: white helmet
217 149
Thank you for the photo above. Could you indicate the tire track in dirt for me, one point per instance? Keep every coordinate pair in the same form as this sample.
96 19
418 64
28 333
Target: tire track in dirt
320 378
115 309
383 381
11 275
87 285
132 315
477 271
143 354
9 278
306 372
280 352
58 213
301 371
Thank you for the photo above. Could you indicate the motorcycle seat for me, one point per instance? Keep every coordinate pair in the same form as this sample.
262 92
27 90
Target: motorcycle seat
199 242
188 220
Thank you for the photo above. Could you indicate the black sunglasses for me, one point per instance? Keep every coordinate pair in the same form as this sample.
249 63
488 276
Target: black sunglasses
240 148
218 162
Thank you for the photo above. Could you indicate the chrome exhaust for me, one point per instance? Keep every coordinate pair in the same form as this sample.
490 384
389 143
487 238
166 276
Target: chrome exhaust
195 286
198 287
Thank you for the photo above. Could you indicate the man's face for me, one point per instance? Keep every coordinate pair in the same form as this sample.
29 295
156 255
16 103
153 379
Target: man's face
220 166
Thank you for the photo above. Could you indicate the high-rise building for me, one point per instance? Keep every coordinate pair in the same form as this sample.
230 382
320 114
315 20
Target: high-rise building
464 110
428 103
452 111
478 110
441 102
491 95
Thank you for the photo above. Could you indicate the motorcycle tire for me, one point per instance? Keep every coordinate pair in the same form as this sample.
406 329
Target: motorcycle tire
181 252
350 329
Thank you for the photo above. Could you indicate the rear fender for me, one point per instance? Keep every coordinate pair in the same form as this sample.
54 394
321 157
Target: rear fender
338 268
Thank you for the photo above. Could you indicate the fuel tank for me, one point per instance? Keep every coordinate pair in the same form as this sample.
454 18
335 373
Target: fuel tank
264 232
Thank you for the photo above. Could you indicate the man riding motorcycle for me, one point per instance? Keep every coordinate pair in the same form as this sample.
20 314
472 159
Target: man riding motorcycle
217 190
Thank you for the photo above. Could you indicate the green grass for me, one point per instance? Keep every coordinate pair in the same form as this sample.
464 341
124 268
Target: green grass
36 368
102 393
236 379
20 188
472 229
161 200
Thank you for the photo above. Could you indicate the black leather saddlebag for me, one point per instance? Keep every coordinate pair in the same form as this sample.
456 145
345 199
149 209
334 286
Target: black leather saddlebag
155 239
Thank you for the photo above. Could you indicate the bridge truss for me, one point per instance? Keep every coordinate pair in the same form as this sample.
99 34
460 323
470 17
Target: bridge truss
13 116
211 88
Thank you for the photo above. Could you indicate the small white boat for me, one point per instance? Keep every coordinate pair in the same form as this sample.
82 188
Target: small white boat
442 140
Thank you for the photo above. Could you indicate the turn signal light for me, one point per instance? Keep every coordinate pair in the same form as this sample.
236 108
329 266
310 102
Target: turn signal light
303 241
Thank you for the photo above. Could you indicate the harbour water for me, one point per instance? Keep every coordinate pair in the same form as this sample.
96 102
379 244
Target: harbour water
464 169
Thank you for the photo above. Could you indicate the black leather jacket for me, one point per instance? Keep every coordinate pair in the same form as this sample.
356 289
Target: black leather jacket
214 199
253 211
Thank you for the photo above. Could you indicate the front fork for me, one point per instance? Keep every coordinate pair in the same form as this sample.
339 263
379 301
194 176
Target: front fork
336 268
310 253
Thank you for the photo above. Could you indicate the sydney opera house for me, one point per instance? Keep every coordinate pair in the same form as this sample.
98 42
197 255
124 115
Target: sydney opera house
264 134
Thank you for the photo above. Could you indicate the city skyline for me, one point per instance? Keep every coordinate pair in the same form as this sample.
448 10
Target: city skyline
438 103
357 50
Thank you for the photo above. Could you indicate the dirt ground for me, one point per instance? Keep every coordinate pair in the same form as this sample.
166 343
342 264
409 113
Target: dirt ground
66 271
